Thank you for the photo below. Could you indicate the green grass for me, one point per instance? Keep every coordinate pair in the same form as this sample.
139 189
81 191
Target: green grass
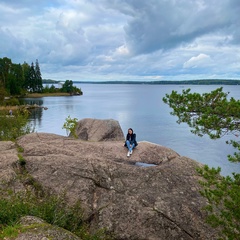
51 208
10 231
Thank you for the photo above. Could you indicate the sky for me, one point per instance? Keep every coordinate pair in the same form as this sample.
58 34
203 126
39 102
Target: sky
106 40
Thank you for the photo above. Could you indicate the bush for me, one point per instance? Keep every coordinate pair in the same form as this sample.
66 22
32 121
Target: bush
70 125
14 126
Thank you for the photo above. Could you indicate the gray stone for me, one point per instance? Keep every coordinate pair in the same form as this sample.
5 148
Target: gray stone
89 129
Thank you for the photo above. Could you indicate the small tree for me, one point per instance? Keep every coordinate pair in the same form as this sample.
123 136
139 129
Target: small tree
70 125
67 86
214 115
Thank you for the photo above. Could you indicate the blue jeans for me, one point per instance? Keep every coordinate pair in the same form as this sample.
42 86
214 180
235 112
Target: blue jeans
130 146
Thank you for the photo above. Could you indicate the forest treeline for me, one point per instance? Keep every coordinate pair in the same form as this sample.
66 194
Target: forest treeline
16 79
21 79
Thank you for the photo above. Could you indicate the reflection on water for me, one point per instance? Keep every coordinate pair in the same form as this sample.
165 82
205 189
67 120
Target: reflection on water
35 113
140 107
36 117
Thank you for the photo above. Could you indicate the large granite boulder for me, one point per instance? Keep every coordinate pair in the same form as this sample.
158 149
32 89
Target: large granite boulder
99 130
128 198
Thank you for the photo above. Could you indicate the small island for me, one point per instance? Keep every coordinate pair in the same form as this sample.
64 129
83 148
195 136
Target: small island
64 89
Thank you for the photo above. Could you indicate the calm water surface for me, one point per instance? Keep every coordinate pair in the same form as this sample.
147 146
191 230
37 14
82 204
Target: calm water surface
140 107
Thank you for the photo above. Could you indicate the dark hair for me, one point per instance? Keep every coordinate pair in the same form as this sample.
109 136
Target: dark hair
130 129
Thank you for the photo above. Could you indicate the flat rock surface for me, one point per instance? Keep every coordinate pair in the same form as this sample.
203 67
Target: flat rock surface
133 202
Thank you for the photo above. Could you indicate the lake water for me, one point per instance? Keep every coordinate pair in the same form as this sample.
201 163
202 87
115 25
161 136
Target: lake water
141 108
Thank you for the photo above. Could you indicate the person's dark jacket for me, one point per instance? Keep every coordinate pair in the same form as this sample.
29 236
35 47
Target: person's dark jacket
132 139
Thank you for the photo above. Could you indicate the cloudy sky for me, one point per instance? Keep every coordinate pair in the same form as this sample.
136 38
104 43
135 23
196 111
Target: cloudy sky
124 39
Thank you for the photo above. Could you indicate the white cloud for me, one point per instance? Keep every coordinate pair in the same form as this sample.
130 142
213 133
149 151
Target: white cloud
202 60
122 51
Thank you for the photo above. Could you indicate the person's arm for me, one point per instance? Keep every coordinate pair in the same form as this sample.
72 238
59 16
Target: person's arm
135 139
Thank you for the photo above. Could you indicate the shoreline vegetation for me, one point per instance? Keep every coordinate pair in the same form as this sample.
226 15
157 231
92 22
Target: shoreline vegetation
56 94
162 82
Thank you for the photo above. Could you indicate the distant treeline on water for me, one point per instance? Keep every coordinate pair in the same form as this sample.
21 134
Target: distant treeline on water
180 82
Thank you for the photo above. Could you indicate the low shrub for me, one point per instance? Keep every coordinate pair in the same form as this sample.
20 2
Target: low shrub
51 208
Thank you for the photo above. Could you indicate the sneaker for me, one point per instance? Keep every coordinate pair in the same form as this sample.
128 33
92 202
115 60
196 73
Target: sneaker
128 154
131 152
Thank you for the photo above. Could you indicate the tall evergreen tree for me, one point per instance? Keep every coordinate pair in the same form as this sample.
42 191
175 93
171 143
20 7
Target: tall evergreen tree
38 78
32 77
26 70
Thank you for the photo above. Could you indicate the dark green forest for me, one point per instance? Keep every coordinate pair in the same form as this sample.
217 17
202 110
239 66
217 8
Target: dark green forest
16 79
22 79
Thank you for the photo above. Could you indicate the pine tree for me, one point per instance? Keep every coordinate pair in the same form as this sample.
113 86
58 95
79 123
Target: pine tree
26 70
38 78
215 115
31 79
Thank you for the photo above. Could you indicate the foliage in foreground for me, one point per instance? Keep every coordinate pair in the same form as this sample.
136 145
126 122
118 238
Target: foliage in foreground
70 125
14 126
215 115
223 195
52 209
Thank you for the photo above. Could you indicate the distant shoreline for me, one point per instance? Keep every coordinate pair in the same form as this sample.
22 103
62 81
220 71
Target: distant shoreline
184 82
181 82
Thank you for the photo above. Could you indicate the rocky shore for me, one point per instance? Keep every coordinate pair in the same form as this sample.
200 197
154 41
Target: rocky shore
159 201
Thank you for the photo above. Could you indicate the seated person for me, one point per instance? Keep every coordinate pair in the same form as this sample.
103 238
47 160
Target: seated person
131 141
